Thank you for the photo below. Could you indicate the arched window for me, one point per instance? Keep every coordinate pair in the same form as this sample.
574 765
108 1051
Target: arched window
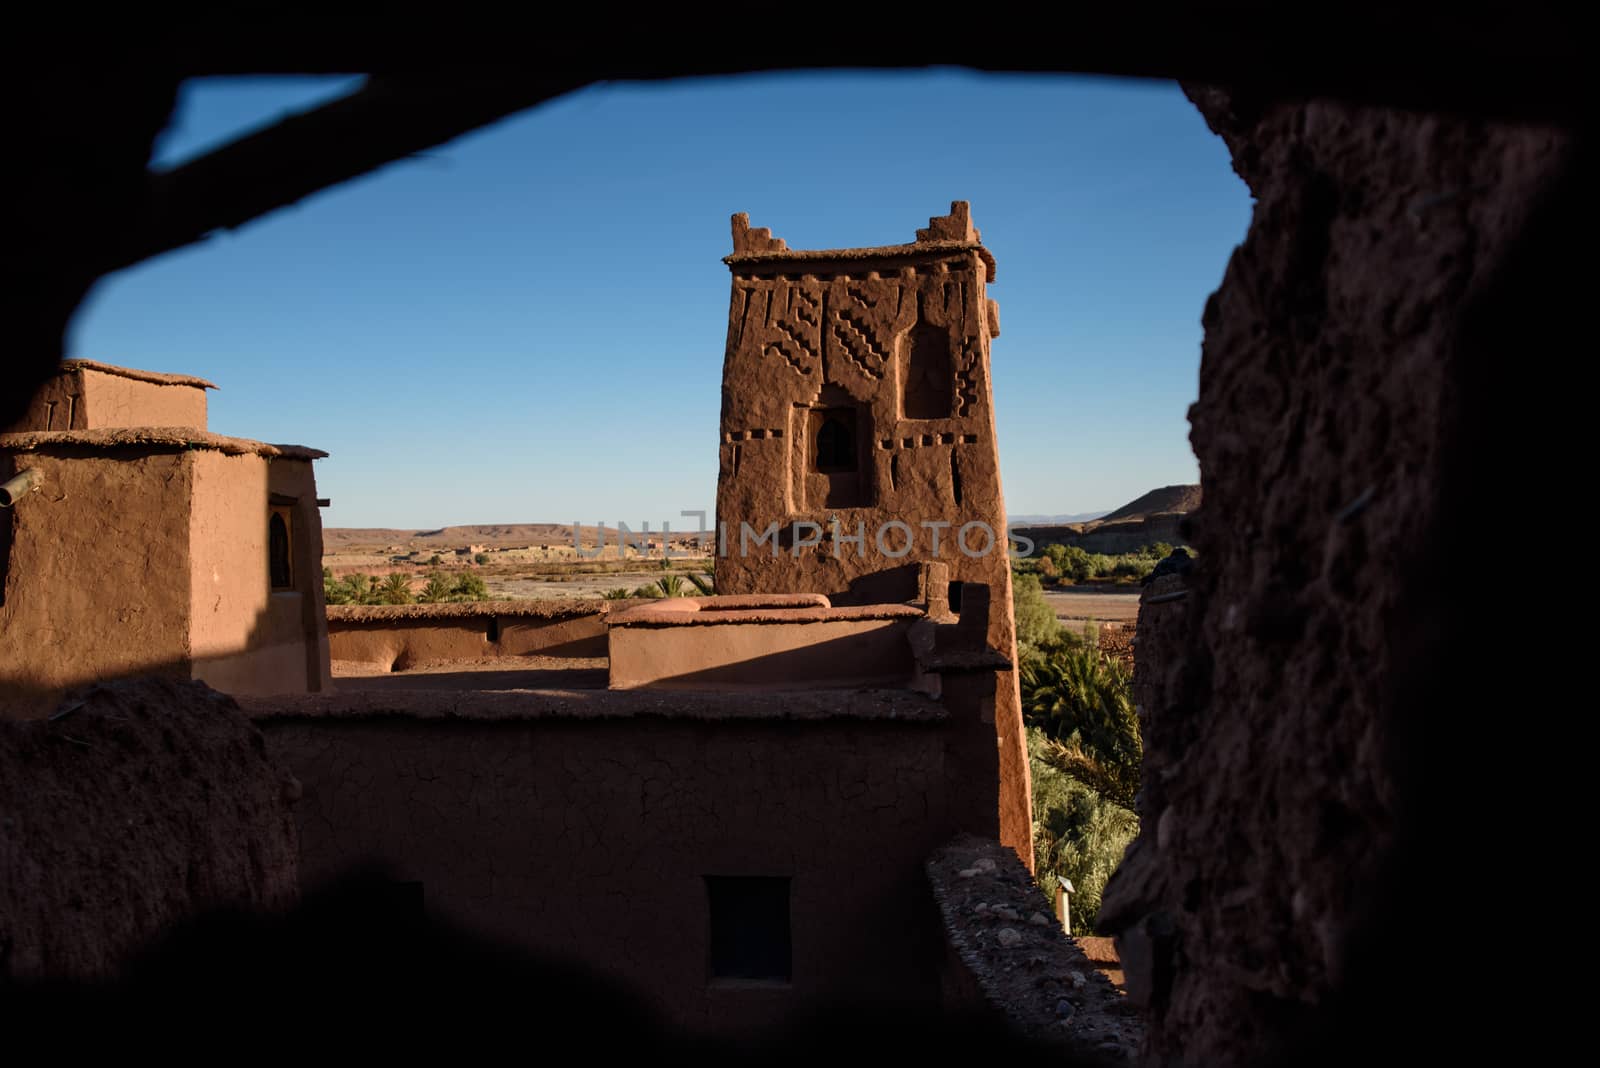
278 549
836 445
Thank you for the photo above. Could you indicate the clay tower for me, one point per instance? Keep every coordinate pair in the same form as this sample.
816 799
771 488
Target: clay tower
857 416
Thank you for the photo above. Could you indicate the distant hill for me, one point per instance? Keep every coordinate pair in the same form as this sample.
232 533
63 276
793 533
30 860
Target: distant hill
1037 520
1156 502
1154 517
493 535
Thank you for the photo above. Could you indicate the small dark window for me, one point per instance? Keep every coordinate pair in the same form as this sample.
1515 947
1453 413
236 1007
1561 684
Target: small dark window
749 927
279 545
953 597
836 443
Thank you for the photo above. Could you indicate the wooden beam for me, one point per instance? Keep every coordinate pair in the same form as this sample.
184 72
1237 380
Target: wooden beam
388 118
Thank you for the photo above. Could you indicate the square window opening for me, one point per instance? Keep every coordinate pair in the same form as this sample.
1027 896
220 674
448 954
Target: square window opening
750 935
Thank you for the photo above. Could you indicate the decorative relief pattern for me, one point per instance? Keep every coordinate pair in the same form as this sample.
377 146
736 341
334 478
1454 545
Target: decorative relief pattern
966 400
919 440
850 332
783 322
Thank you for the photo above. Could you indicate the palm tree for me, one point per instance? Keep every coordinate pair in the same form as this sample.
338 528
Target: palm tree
1082 700
665 586
706 584
396 589
437 589
360 589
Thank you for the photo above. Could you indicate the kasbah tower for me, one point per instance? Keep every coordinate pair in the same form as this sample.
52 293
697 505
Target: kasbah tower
858 418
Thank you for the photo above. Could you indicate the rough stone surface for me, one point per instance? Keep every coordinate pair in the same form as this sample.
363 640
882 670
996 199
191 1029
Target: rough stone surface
1271 696
135 805
1034 976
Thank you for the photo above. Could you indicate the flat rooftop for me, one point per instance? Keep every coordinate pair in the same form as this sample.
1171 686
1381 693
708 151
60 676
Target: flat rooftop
486 691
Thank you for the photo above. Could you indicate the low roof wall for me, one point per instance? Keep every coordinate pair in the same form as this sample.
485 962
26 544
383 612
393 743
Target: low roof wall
1019 960
767 642
566 608
513 705
397 637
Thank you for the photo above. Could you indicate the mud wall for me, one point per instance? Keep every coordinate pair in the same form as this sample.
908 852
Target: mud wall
145 802
413 634
590 838
246 637
822 653
1332 387
58 405
116 400
95 582
80 398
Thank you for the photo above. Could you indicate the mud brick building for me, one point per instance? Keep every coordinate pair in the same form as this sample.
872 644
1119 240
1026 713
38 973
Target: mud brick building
139 541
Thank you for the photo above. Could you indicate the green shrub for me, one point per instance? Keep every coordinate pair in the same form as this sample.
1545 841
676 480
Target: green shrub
1036 620
1133 566
438 588
481 559
1077 833
620 593
1070 562
469 587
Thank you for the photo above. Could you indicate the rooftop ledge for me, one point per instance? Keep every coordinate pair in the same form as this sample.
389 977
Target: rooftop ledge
152 438
884 253
754 608
160 378
487 706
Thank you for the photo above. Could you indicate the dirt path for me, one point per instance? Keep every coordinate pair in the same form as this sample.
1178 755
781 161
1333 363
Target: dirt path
1092 603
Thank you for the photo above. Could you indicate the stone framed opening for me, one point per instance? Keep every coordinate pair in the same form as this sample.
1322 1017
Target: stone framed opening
830 454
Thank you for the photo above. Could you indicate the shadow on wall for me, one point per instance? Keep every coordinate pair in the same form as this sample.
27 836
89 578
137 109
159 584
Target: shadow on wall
357 958
824 654
139 802
22 697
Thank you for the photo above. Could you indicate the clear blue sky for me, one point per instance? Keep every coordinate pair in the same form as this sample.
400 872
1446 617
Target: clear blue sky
527 324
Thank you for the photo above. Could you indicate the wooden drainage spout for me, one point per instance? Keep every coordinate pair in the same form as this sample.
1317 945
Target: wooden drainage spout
11 492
